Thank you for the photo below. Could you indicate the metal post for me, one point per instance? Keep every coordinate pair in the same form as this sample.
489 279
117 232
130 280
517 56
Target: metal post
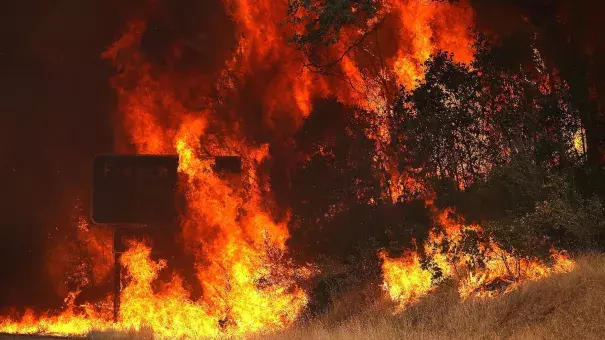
116 278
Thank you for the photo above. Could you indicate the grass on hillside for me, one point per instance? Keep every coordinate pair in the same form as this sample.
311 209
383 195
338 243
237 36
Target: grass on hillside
566 306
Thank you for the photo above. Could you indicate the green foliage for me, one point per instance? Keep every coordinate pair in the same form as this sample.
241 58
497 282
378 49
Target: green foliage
441 124
497 143
463 122
559 217
512 188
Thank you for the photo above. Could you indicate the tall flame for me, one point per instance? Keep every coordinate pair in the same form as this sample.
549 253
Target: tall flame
426 27
249 286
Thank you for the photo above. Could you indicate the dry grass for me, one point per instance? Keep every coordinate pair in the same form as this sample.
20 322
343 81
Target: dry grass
567 306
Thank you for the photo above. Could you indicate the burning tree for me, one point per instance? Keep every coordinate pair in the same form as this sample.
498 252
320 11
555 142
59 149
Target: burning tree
384 143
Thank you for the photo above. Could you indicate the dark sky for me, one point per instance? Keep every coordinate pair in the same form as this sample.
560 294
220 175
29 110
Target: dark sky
55 110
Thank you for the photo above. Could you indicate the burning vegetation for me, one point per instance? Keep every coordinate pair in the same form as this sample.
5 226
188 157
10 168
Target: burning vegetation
479 265
390 146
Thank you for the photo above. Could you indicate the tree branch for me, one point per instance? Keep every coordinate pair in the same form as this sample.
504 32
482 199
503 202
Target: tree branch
319 67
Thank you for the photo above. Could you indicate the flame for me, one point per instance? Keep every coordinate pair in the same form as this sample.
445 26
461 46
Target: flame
426 27
249 285
169 311
406 279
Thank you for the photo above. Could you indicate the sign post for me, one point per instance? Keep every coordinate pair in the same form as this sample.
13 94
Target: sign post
131 191
117 285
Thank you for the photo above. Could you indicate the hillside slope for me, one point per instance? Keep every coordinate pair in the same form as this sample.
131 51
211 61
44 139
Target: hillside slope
566 306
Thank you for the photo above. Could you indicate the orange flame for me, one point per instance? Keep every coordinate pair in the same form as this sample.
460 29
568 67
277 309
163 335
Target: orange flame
248 284
406 280
169 312
427 27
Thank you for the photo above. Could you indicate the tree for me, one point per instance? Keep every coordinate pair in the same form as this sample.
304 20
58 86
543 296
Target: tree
553 214
440 125
322 21
339 212
462 122
567 34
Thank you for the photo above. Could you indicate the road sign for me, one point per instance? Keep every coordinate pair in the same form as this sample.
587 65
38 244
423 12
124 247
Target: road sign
134 189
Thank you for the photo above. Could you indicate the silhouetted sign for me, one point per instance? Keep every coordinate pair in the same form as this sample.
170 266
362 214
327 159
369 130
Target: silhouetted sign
134 189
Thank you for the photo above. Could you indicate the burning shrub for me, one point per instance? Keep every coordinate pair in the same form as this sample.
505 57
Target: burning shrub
463 121
560 217
338 180
340 216
528 209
